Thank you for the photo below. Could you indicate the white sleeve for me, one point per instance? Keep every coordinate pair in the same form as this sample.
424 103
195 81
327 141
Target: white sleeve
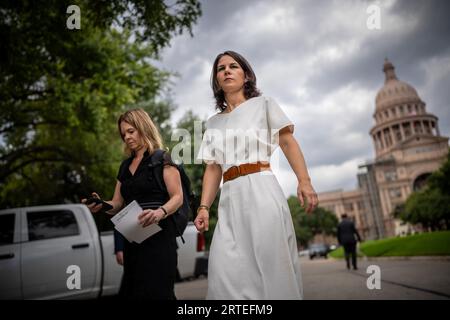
276 120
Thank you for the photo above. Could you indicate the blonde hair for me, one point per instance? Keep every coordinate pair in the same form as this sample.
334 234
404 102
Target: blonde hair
149 133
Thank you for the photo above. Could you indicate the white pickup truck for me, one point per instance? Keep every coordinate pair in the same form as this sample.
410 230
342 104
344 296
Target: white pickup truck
43 248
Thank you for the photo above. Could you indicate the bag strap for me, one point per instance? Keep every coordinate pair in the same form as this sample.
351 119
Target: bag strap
156 164
156 161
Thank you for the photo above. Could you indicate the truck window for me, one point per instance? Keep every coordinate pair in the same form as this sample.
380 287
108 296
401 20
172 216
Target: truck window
7 228
51 224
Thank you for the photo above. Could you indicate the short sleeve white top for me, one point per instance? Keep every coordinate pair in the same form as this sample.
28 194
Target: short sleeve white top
246 135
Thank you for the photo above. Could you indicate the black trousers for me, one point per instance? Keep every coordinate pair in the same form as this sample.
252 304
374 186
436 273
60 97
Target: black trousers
350 250
150 268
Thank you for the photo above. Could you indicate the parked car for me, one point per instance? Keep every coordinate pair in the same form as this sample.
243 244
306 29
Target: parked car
40 247
318 250
303 253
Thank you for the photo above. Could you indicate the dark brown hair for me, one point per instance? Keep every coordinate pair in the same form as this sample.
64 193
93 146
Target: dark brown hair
250 89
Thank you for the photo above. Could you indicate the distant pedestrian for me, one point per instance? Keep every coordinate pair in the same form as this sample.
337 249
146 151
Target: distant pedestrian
347 237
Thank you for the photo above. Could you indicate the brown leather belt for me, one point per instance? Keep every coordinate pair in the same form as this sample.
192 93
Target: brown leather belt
244 169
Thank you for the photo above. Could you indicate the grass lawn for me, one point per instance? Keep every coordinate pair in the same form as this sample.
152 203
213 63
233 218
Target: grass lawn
424 244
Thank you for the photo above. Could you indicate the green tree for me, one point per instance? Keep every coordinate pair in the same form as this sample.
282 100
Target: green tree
440 179
183 139
323 222
187 135
430 206
62 90
299 218
320 221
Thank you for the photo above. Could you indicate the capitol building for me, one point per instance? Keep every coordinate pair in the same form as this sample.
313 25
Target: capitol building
408 148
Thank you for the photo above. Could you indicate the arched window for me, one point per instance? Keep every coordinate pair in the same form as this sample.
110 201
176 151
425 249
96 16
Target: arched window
421 181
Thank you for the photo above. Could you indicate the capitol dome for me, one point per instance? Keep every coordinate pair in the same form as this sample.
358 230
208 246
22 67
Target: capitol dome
394 91
400 115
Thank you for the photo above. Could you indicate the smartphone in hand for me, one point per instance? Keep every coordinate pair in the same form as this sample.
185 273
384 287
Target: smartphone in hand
105 206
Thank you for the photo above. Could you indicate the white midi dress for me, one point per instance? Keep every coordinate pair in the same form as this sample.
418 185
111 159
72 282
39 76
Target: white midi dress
253 253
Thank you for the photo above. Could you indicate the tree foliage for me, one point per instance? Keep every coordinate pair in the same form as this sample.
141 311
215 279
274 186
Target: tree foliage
320 221
184 139
61 91
183 142
440 179
429 207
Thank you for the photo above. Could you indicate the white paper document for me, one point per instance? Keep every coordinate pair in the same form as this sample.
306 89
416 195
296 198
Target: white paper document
127 223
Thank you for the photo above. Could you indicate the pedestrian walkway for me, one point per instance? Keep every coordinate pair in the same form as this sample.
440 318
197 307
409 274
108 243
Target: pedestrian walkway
328 279
400 279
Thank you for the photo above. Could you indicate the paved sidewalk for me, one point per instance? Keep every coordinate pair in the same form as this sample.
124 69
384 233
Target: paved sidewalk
401 279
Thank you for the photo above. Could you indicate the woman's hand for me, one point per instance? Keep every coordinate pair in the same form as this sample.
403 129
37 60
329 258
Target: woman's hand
201 222
306 193
94 208
149 216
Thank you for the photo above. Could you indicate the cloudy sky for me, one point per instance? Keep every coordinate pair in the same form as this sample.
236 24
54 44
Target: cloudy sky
320 61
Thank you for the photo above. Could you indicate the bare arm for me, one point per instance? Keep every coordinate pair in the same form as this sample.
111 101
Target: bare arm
172 181
210 186
294 155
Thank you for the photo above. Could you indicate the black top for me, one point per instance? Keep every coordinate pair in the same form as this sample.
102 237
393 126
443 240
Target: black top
142 186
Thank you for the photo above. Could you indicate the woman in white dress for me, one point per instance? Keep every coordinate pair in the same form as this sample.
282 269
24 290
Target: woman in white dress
253 253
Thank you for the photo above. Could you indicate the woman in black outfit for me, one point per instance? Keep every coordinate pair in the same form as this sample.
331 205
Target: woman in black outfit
149 267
